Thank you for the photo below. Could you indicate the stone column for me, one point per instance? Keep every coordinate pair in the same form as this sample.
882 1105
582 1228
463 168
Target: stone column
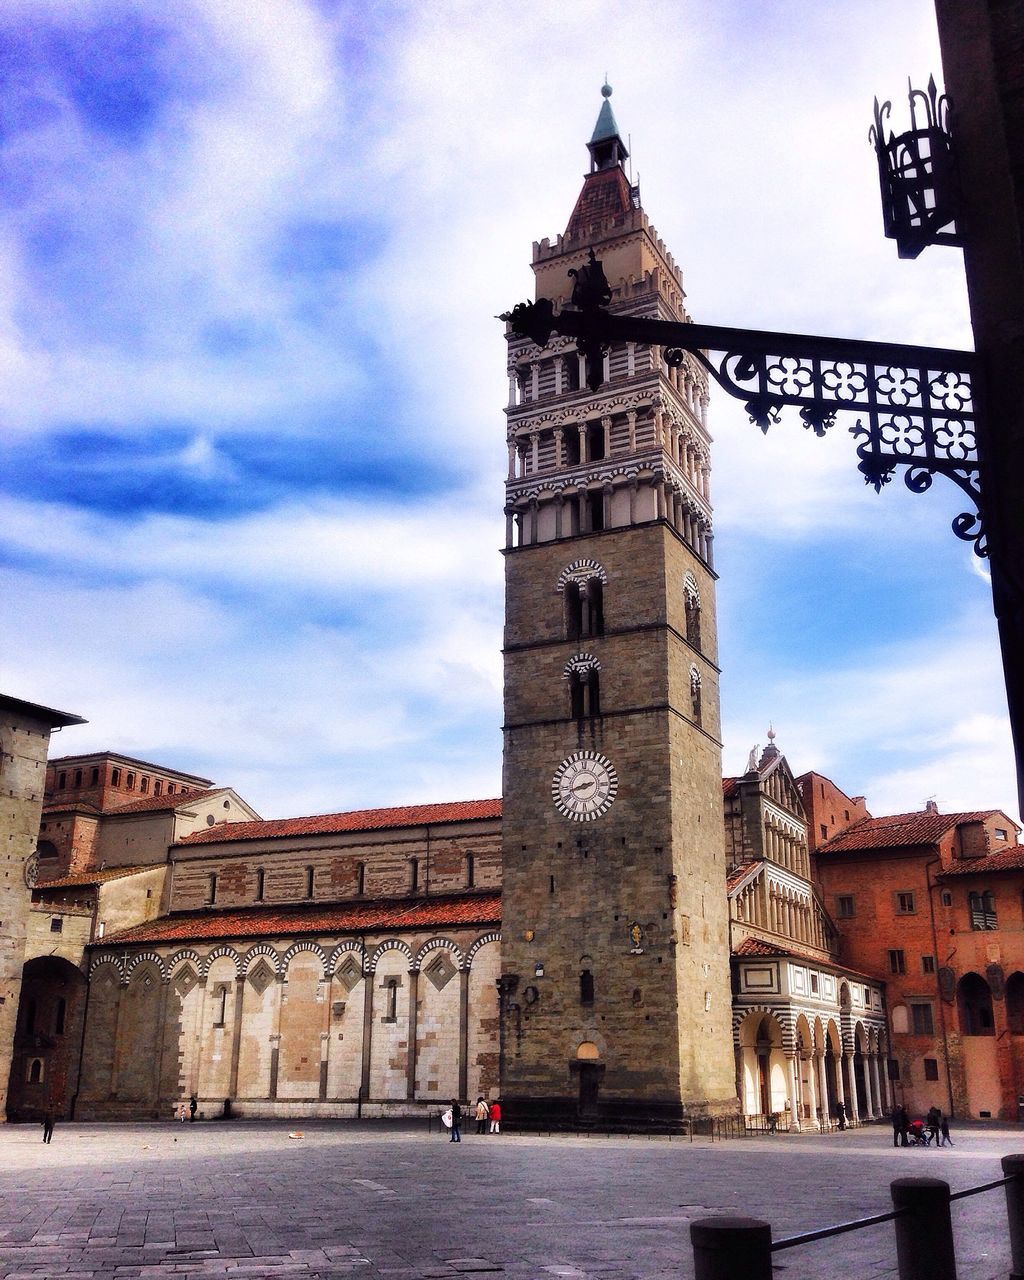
869 1102
534 380
630 359
512 460
559 447
275 1052
606 505
364 1082
749 1061
559 365
794 1105
852 1110
463 1035
410 1068
634 484
325 1034
823 1089
876 1082
510 528
581 427
606 422
631 420
236 1034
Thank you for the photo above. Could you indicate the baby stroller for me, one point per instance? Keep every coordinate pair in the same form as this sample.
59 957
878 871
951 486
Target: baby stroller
918 1134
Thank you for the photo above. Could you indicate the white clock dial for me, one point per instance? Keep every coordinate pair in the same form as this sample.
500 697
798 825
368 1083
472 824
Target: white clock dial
584 786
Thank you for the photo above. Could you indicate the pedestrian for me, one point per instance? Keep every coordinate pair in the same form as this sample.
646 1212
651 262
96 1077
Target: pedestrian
944 1130
905 1127
181 1113
47 1124
841 1114
193 1107
482 1111
495 1117
898 1118
933 1120
456 1121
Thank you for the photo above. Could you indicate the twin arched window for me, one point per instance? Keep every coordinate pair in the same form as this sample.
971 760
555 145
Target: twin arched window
582 585
583 673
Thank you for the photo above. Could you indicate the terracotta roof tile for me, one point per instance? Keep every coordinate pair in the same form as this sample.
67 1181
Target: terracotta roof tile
898 830
728 787
153 804
413 815
327 918
1009 859
761 947
605 196
739 874
94 877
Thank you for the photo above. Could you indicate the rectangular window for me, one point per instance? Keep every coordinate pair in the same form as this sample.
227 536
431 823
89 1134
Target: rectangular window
922 1022
947 898
586 987
824 830
414 875
894 1069
897 961
904 903
56 925
931 1068
814 983
844 906
1001 834
261 877
982 908
95 775
211 889
115 777
927 964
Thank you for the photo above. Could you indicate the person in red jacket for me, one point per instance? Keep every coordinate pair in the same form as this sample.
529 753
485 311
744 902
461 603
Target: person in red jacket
495 1117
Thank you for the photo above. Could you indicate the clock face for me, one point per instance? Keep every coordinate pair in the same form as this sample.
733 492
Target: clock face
584 786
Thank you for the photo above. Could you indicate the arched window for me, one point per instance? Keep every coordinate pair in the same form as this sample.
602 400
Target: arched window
391 1000
582 586
691 602
974 1001
695 697
360 878
310 875
261 884
35 1071
586 986
414 875
1015 1003
470 870
211 889
583 673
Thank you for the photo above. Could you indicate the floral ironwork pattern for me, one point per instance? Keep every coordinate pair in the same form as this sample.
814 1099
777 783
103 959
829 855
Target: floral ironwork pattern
915 406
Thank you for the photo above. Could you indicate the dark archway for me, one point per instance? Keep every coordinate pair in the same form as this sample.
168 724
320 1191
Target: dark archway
974 1005
1015 1003
47 1040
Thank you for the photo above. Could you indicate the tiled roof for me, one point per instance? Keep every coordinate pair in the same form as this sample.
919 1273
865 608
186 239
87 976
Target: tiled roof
1009 859
94 877
327 918
69 806
759 947
153 804
898 830
605 196
740 873
728 787
413 815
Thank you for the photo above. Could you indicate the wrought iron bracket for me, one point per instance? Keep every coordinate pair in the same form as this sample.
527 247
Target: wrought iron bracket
915 406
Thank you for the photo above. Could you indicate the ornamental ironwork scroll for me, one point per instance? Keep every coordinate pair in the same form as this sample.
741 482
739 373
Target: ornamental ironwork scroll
915 406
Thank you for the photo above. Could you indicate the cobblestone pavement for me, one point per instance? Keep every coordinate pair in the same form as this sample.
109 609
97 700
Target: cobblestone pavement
370 1200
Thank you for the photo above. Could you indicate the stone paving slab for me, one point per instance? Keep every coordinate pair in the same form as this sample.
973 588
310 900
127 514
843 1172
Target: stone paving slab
242 1200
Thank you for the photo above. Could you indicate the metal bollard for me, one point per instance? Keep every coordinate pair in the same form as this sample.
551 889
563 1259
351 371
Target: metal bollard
924 1233
725 1248
1015 1212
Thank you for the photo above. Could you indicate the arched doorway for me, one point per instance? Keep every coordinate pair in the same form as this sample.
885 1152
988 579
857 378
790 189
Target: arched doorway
589 1068
47 1040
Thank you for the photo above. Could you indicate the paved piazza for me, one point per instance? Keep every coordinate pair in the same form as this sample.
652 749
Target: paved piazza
368 1200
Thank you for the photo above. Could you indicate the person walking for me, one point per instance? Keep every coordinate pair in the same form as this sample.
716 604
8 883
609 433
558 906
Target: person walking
841 1114
193 1107
932 1120
481 1115
899 1116
47 1124
456 1111
495 1117
946 1140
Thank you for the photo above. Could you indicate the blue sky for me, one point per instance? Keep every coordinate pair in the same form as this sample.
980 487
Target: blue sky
251 429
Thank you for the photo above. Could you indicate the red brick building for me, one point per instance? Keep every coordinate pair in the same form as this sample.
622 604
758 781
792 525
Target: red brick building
936 902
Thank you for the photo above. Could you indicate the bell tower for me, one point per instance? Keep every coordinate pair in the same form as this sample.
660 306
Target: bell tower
615 994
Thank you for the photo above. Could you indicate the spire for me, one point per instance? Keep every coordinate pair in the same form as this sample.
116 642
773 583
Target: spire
606 146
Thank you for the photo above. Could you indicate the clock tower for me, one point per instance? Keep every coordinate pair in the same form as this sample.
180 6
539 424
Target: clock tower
615 995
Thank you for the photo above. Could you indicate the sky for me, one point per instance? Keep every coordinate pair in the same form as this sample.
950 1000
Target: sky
251 384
